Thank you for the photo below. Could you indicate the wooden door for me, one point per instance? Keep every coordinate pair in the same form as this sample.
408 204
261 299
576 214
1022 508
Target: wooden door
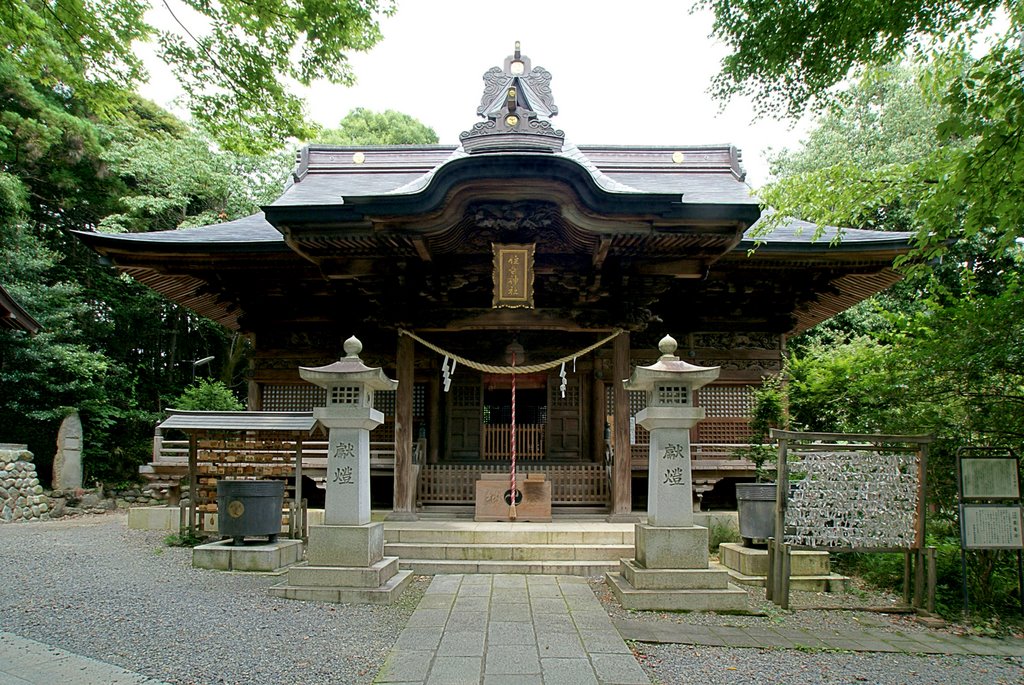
565 425
464 418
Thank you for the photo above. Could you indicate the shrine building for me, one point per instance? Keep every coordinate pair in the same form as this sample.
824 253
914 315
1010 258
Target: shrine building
515 247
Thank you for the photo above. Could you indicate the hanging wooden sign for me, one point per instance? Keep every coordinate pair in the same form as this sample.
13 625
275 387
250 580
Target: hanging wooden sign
513 275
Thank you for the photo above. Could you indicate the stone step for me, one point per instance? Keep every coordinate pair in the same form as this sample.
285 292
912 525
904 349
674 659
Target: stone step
564 568
508 551
510 534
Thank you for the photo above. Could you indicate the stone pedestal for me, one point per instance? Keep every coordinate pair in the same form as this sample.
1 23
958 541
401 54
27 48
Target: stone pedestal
264 556
345 563
810 570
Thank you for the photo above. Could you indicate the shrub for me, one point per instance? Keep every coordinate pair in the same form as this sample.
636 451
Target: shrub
207 395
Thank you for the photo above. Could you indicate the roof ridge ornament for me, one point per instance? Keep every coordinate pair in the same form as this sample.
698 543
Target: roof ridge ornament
517 104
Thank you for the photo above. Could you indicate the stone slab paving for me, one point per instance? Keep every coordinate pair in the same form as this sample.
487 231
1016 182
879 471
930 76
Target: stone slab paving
870 640
510 629
24 661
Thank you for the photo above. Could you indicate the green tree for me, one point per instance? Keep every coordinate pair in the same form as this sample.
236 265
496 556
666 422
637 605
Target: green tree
234 59
365 127
789 56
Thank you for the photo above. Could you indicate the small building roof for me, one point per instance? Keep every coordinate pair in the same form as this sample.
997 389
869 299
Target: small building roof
14 317
267 421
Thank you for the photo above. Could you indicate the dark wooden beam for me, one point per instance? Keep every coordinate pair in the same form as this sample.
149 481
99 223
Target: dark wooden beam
421 248
679 268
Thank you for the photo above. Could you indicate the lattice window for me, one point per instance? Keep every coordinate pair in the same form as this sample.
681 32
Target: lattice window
346 394
673 395
571 399
722 431
733 401
384 402
302 397
466 396
419 401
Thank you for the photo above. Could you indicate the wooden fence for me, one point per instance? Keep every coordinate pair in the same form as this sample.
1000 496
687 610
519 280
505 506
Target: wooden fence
496 441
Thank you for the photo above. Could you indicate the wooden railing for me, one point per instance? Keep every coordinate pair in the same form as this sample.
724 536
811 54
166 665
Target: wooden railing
571 484
496 441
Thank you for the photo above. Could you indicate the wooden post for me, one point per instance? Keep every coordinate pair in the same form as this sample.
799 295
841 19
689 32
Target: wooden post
787 568
781 549
932 577
622 474
404 485
297 526
193 482
918 578
434 417
906 577
769 581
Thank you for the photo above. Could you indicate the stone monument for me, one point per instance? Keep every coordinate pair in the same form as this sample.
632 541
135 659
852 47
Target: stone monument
67 462
671 570
345 555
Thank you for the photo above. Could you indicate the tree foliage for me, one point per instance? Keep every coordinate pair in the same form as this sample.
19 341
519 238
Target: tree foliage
793 55
365 127
207 395
235 59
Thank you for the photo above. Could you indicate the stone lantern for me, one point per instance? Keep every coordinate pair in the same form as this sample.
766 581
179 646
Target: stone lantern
346 561
349 416
671 570
669 416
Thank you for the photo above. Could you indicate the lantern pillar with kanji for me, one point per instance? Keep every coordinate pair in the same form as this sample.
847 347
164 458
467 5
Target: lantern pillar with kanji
345 555
671 570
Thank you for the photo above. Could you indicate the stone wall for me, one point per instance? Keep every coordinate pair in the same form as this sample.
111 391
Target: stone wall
21 496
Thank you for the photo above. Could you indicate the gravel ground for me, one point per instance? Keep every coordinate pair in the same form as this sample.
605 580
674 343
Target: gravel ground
681 664
95 588
91 586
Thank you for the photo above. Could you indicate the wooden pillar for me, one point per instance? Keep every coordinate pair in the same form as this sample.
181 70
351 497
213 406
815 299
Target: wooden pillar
434 418
254 399
622 475
405 483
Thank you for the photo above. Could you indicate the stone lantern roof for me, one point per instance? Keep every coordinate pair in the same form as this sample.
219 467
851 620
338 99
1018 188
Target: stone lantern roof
348 369
670 369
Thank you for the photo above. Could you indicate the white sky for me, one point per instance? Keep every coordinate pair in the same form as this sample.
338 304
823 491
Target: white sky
623 73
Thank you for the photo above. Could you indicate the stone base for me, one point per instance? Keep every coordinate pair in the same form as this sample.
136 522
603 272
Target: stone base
263 556
731 598
379 583
809 570
713 578
336 545
671 547
154 518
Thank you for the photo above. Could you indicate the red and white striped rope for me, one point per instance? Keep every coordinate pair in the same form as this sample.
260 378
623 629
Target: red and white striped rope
512 508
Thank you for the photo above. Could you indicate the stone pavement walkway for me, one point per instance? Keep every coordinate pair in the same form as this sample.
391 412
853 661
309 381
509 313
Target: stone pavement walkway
870 640
24 661
523 629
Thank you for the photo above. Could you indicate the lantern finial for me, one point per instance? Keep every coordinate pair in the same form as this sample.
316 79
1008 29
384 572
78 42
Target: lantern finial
668 346
353 347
